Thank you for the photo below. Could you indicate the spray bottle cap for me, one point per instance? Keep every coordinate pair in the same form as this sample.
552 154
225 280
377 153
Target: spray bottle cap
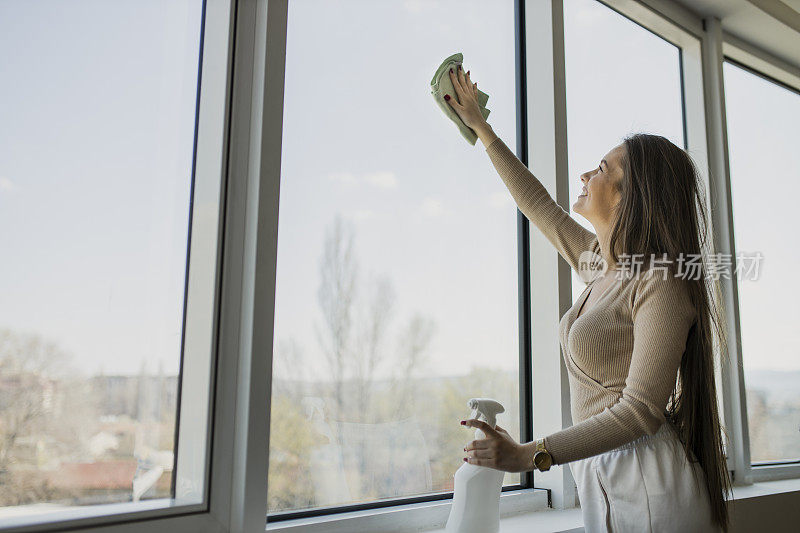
485 409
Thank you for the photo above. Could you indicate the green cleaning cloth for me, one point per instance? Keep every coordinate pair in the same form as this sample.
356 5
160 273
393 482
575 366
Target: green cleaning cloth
441 85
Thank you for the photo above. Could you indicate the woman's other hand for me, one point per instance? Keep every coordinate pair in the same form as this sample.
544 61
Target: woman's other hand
466 104
498 450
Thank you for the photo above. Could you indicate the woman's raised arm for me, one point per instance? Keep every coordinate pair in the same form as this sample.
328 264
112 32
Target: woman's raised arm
564 232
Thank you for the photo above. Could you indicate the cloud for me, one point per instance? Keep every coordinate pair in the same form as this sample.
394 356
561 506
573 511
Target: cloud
7 185
345 178
434 207
501 200
385 180
418 6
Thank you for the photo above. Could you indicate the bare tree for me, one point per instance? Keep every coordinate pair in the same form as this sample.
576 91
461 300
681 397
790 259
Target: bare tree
289 369
336 296
412 344
26 365
357 319
34 375
374 321
355 329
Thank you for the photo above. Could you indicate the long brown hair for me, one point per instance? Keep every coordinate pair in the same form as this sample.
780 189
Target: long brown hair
662 210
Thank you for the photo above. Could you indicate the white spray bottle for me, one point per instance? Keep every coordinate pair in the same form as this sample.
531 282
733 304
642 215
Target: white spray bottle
476 494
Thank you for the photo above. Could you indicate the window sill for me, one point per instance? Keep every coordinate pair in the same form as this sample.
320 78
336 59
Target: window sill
411 517
570 520
520 512
545 521
765 488
28 517
774 472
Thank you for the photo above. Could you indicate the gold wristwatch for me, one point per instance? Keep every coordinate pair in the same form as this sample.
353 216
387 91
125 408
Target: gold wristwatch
542 460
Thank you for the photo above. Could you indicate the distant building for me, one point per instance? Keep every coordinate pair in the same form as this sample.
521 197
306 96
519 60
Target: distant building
139 397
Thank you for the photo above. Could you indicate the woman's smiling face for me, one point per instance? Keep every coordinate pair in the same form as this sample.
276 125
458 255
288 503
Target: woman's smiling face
597 202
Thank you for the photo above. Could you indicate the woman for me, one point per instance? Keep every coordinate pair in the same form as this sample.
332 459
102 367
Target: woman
646 445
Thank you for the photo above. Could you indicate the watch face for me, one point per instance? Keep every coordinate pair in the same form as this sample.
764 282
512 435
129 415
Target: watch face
542 461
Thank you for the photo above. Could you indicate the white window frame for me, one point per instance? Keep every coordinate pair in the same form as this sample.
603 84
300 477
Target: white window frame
239 144
221 460
726 46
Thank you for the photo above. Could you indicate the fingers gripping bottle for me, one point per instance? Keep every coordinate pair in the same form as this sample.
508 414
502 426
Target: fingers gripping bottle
476 493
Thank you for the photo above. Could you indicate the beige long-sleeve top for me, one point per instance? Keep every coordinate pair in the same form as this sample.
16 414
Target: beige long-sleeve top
623 352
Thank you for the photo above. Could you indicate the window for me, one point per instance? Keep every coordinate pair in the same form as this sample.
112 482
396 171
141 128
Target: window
762 140
621 79
106 324
144 152
396 298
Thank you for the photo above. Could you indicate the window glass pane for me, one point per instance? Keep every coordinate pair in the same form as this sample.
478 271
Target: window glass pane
96 145
762 144
397 288
621 79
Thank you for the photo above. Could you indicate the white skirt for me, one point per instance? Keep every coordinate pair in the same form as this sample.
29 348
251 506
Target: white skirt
647 485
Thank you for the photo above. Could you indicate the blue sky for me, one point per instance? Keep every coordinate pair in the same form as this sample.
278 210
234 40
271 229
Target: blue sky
95 160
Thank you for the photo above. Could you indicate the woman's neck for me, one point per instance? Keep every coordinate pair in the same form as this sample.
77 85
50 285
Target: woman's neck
603 237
